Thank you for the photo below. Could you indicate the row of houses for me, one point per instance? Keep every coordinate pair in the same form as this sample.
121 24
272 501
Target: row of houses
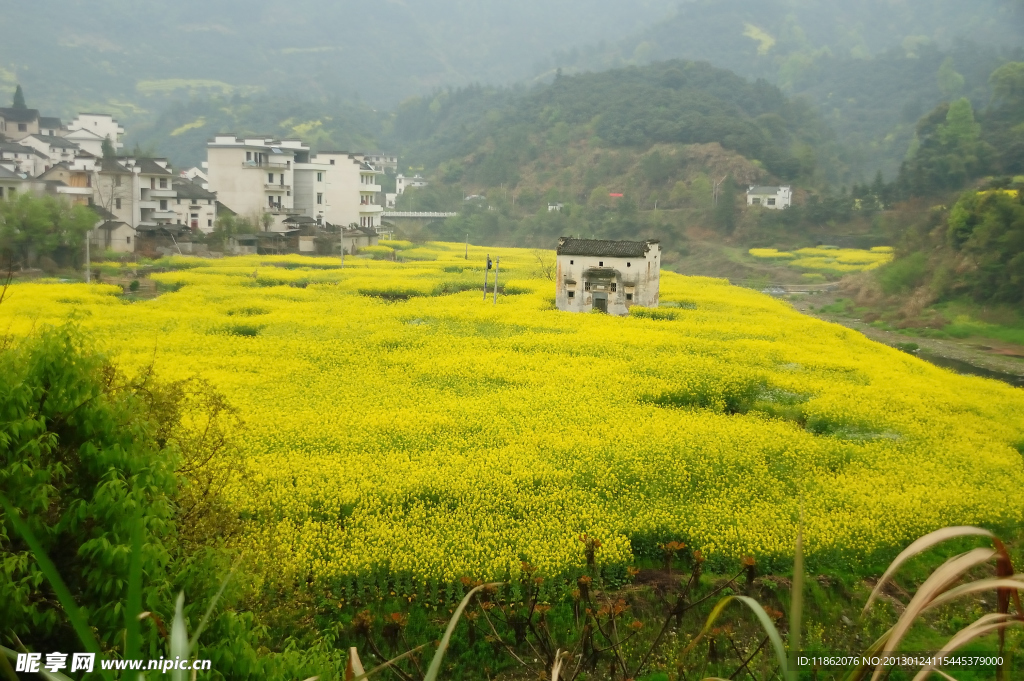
279 186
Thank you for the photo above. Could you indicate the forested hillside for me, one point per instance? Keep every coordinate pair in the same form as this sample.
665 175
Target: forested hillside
488 134
873 68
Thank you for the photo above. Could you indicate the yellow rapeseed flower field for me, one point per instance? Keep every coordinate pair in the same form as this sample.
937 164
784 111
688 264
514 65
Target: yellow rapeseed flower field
397 423
834 260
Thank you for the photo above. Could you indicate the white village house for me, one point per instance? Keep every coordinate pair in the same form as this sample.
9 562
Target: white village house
610 276
402 182
775 198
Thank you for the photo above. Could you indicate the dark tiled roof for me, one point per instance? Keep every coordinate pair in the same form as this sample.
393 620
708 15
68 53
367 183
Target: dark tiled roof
111 225
150 167
187 189
621 249
109 165
20 115
49 122
764 190
55 141
15 148
102 213
6 174
221 208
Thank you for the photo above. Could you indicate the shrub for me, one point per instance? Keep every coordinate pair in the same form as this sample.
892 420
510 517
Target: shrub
77 461
903 274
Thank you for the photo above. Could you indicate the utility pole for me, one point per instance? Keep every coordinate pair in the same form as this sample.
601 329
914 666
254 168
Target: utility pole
715 189
487 270
497 265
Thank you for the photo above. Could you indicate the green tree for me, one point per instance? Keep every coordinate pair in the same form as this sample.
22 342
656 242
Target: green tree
32 227
108 149
1007 83
950 82
19 99
79 463
960 128
987 230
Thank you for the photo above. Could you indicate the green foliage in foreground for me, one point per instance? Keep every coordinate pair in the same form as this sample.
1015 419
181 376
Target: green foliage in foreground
32 227
77 463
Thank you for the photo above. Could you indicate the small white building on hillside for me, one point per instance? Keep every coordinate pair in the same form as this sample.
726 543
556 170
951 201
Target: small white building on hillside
89 130
610 276
775 198
402 183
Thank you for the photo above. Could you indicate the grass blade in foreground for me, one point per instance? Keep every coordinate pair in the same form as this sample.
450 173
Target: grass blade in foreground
132 626
442 647
179 637
919 546
763 618
49 570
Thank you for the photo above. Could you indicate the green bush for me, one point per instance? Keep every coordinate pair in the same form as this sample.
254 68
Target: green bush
77 460
652 313
903 274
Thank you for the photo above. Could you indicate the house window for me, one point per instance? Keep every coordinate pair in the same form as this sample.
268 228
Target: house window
570 262
195 216
319 177
601 264
127 239
209 223
771 202
117 204
571 294
22 127
629 296
163 204
613 287
756 201
319 198
586 286
332 161
178 201
271 201
163 183
628 265
117 180
270 178
152 183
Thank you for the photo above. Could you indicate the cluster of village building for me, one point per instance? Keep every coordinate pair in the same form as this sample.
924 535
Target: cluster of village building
295 200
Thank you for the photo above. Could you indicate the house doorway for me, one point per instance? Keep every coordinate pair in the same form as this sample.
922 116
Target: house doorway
601 302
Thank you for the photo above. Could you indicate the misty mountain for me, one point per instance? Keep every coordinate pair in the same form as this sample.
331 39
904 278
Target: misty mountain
122 55
872 67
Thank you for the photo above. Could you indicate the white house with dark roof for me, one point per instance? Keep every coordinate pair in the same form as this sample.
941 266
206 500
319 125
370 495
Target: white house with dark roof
89 130
775 198
11 182
16 124
610 276
56 149
25 159
193 205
